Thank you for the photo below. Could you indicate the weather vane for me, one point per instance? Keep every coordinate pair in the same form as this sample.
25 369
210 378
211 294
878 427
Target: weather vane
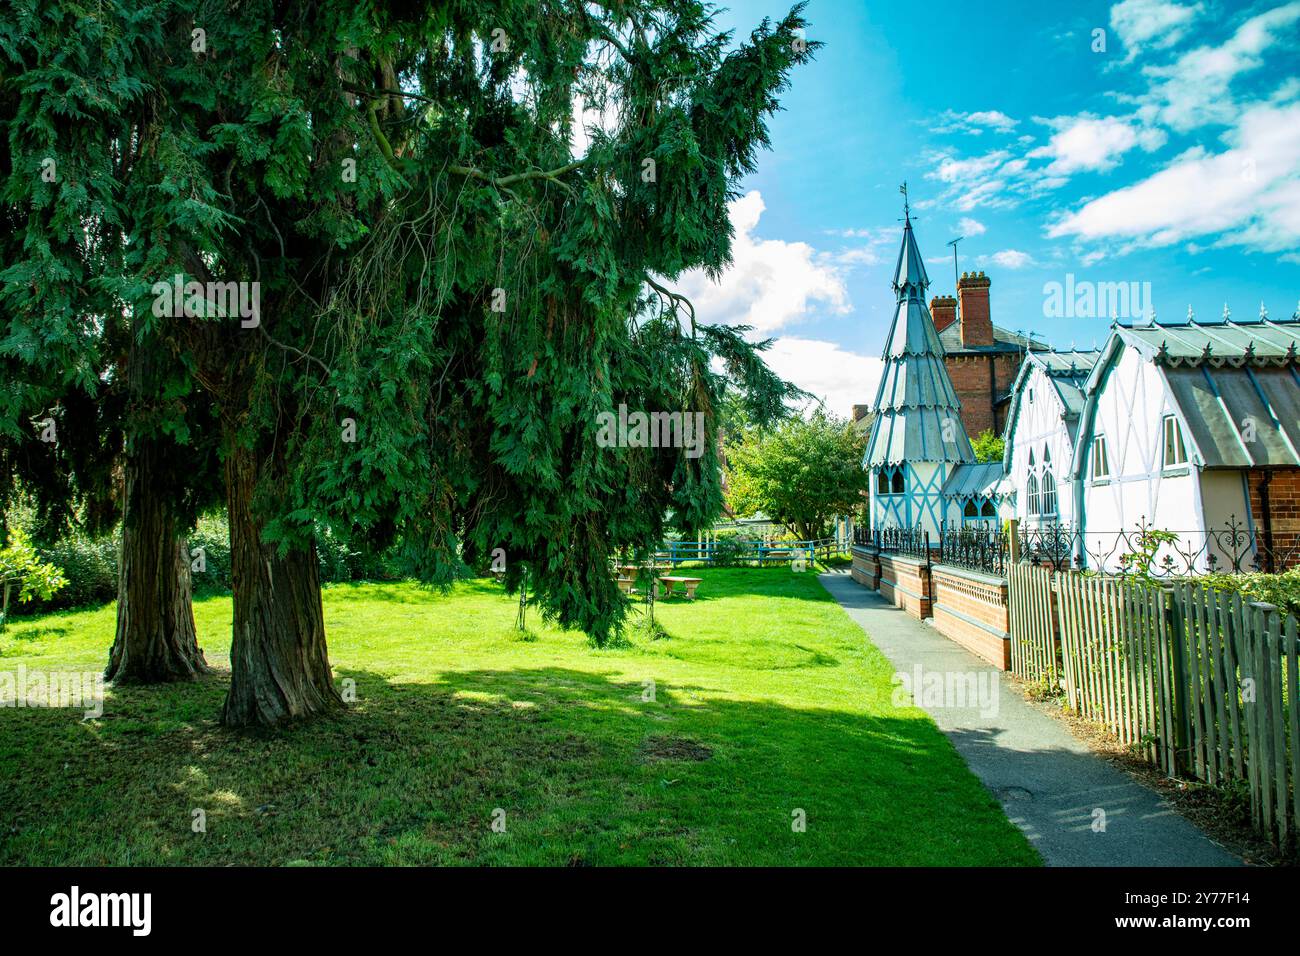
907 213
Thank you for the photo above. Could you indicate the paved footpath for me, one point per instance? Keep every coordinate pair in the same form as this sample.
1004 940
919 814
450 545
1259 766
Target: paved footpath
1048 782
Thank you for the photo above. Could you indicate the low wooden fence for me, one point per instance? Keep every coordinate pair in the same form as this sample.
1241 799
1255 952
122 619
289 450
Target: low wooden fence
1197 681
758 551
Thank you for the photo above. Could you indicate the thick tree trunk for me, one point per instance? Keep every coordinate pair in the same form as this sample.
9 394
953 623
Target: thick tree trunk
279 666
155 639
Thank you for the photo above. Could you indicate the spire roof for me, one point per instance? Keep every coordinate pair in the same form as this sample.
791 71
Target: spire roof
909 274
918 413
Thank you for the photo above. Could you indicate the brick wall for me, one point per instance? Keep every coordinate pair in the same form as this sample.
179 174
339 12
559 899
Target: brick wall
970 379
905 582
1284 508
943 309
866 567
971 609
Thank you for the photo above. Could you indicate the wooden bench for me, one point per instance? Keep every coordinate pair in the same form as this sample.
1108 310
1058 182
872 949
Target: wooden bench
625 584
667 586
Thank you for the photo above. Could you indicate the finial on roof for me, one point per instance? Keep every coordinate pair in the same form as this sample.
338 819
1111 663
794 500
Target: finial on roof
1227 312
1263 312
907 210
1191 316
1296 313
1151 315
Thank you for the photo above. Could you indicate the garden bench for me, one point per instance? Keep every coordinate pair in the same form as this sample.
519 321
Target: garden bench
625 584
667 586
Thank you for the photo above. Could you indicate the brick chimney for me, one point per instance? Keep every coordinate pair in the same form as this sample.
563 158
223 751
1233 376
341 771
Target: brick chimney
860 412
976 324
943 309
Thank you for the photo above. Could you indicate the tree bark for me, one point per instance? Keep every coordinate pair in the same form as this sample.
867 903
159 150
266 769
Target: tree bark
279 665
155 640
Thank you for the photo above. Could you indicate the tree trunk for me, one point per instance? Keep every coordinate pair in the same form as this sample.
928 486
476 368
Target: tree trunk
279 666
155 639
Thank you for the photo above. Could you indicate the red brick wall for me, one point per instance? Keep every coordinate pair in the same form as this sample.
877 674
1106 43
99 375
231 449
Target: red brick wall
971 610
970 379
905 582
943 309
976 321
866 568
1284 508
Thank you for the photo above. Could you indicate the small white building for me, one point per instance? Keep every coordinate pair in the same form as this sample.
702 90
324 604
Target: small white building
1191 428
1047 400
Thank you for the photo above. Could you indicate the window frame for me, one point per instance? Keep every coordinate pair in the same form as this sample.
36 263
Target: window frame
1168 422
1099 441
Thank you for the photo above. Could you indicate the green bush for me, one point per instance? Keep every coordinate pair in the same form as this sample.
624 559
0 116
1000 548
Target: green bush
90 565
1280 589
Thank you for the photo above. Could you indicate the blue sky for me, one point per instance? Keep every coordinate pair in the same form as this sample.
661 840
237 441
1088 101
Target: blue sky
1171 157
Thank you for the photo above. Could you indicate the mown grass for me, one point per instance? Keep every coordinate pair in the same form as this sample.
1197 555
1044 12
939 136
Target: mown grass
458 715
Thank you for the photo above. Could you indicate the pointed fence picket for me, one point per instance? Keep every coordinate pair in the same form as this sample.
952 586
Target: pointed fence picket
1196 681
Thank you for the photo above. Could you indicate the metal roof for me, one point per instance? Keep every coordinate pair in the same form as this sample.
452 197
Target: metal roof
1235 385
910 271
982 479
918 414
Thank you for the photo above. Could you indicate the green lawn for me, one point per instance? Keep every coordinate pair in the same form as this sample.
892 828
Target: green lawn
767 699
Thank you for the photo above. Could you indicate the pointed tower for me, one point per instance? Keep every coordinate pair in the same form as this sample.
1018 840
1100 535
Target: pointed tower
918 437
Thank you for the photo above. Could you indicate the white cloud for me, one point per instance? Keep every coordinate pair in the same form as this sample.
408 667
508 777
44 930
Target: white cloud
1157 24
975 123
770 284
838 377
1195 90
970 227
1249 193
1089 143
1012 259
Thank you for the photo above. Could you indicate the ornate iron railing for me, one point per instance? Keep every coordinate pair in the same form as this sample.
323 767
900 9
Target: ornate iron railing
913 542
1232 549
975 548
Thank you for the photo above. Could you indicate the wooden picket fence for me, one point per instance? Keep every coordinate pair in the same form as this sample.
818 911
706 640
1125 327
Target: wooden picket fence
1197 681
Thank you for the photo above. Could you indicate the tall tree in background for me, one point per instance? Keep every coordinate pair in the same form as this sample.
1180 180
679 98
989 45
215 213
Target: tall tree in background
87 425
804 473
448 297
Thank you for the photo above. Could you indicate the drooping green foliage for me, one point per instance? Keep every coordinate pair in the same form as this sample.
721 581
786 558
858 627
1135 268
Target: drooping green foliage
449 295
22 571
803 473
988 446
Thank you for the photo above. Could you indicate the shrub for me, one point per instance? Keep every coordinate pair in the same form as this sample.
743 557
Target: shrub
1280 589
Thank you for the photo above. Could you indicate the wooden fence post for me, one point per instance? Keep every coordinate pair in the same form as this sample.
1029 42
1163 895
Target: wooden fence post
1013 543
1174 638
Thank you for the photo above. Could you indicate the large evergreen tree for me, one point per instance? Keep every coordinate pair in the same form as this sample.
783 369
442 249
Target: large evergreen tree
448 296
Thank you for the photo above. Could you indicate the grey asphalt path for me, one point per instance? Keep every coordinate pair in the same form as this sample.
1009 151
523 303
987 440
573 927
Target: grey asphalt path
1049 783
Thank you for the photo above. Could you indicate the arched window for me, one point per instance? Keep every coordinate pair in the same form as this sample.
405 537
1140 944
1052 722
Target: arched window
1047 457
970 511
1049 494
1031 493
988 511
882 482
897 484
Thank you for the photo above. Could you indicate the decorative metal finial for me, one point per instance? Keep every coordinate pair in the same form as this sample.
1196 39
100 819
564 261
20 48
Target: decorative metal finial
907 209
1191 316
1263 312
1227 312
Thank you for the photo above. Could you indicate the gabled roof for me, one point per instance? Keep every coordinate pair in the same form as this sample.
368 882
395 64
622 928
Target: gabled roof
1235 386
918 414
1067 371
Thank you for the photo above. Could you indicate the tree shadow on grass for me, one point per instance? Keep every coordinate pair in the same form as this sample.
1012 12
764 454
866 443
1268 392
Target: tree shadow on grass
577 767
